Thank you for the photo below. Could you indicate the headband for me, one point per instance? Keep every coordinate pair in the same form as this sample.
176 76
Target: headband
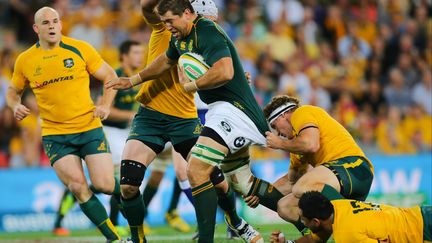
280 110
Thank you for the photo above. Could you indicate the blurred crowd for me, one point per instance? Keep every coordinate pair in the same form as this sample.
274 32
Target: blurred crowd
367 62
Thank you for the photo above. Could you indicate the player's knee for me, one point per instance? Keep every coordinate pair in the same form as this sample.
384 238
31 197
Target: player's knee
79 189
285 211
299 188
241 179
131 173
104 184
196 175
217 176
128 191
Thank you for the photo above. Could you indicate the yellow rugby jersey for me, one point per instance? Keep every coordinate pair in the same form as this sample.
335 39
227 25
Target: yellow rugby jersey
60 81
335 140
165 94
356 222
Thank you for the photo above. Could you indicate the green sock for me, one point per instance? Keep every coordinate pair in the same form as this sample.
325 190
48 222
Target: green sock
148 194
227 201
175 196
95 211
267 193
205 208
330 193
134 212
114 210
116 191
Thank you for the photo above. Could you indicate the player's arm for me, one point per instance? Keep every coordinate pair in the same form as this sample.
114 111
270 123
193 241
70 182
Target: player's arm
16 89
13 100
105 73
147 9
307 140
121 115
221 72
154 70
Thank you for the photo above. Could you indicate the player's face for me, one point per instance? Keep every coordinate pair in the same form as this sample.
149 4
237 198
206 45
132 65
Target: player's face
48 27
135 56
179 26
313 224
282 126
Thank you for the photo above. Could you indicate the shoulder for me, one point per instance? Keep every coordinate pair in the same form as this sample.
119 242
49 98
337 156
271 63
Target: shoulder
205 25
25 55
80 44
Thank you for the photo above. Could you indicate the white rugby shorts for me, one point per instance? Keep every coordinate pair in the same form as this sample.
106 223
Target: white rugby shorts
233 125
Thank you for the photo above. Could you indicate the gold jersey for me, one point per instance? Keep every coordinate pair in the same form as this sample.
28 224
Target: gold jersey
60 81
358 222
165 94
335 141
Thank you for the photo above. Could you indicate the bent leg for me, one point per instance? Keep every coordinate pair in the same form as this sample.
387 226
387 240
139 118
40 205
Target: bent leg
70 172
136 157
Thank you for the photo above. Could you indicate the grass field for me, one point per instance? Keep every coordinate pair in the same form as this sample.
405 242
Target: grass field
159 234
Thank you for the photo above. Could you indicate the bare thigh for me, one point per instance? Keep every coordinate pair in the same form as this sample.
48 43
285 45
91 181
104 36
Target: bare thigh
314 180
70 171
101 171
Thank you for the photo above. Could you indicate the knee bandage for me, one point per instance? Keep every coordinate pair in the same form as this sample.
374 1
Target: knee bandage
241 179
216 176
208 155
131 172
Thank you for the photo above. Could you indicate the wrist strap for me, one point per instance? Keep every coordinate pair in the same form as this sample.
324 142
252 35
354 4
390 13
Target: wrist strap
135 79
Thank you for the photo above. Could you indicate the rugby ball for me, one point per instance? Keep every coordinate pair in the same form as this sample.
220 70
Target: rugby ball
193 65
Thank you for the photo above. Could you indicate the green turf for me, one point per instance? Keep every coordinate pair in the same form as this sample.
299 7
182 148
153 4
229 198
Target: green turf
159 234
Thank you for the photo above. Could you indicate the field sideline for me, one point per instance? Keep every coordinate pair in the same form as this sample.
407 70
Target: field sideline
159 234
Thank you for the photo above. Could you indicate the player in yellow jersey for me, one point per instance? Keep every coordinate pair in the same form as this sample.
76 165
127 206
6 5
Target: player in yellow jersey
352 221
57 69
324 156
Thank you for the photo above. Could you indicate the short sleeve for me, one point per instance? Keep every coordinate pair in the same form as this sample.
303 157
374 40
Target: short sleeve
213 43
91 57
301 117
172 52
18 79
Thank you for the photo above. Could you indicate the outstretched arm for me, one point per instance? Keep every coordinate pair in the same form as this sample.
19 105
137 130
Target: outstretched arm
152 71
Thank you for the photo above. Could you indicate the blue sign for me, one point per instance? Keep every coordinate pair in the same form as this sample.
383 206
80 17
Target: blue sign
30 197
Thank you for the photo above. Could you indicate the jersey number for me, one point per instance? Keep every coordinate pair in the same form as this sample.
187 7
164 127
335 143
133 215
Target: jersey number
364 206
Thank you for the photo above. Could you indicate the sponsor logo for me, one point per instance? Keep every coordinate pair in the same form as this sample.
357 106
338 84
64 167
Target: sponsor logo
183 45
51 56
239 142
238 105
54 80
102 147
198 129
226 126
68 62
192 71
190 45
38 71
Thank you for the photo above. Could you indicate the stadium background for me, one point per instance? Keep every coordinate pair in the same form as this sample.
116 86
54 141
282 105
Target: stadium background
367 62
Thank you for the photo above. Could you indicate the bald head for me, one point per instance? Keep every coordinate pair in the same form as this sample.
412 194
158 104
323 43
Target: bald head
48 27
42 11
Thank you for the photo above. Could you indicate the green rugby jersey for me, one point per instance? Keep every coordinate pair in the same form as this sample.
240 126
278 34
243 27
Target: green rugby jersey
210 41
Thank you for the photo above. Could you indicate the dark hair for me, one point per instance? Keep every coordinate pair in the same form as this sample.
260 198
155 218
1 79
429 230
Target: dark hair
125 47
177 7
315 205
276 102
